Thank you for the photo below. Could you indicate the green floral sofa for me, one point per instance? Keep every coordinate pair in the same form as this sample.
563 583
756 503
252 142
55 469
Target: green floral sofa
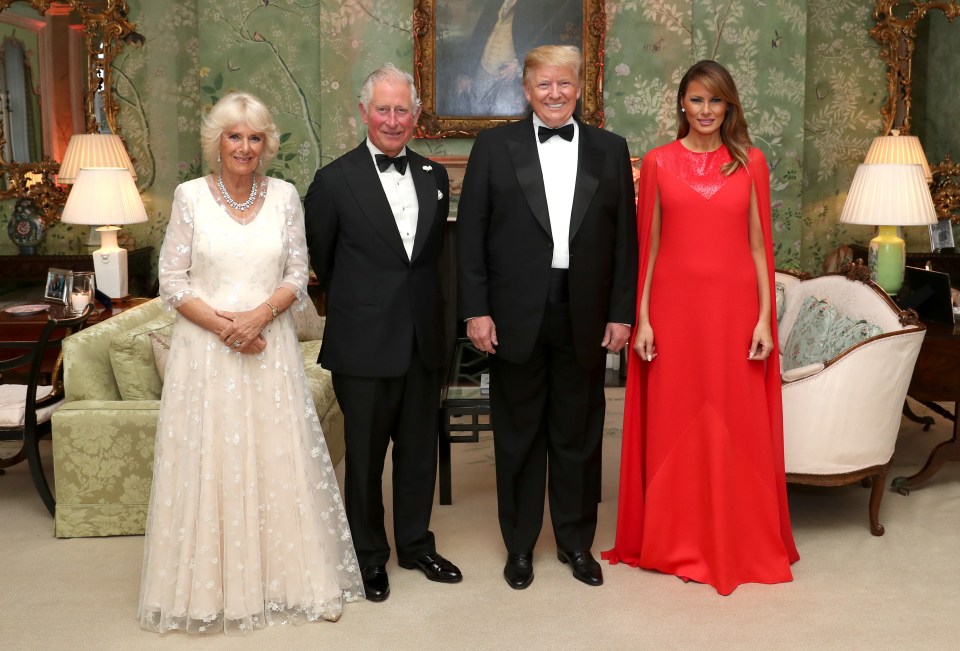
103 435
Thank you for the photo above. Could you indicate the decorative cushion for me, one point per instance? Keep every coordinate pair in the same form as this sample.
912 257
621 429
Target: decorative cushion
781 300
821 332
808 337
847 333
308 323
160 342
319 379
12 399
133 361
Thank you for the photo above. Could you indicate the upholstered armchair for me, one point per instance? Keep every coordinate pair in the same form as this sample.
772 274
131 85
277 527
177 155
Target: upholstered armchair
847 355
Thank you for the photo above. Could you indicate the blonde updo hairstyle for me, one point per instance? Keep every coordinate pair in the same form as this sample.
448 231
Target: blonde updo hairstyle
232 110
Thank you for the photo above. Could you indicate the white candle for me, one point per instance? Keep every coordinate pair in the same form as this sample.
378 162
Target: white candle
79 300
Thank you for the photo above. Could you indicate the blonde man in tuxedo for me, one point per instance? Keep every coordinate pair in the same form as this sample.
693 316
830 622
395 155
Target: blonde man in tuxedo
547 261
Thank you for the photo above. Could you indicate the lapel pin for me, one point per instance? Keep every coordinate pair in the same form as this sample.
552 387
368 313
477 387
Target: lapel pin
427 168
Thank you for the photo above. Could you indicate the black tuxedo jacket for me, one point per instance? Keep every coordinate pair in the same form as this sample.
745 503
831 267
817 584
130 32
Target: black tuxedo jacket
505 246
378 300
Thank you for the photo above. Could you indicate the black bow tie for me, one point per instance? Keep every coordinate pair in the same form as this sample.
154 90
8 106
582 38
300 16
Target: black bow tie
565 132
384 161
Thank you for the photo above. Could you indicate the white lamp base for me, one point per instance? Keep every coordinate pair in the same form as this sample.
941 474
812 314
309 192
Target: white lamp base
110 264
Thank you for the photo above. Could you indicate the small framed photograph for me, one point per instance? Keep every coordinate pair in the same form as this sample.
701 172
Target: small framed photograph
57 289
941 235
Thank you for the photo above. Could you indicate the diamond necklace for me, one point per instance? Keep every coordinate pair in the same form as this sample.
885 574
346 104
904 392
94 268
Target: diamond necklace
233 204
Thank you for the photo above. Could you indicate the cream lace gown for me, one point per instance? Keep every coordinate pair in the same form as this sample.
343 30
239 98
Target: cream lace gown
246 525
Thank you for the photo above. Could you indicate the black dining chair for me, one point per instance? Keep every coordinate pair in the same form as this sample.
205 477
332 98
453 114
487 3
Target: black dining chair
25 409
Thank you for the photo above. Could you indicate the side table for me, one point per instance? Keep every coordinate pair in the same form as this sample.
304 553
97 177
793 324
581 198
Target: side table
936 378
461 395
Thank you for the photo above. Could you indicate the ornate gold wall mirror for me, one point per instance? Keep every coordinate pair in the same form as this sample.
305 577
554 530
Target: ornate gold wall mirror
896 30
70 45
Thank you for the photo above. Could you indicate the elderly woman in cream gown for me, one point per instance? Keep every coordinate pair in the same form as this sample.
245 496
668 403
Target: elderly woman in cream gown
246 525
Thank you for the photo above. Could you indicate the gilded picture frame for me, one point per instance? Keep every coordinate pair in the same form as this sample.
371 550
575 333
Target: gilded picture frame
468 58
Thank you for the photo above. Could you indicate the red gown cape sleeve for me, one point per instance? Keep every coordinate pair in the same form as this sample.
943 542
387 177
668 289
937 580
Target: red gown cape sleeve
630 510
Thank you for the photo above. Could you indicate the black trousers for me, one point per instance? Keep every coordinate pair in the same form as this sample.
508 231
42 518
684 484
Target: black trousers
377 410
548 408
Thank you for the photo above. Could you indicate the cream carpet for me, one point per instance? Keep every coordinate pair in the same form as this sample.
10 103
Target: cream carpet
851 590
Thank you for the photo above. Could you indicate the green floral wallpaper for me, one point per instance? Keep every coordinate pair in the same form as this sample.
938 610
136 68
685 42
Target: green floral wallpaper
651 43
844 89
808 73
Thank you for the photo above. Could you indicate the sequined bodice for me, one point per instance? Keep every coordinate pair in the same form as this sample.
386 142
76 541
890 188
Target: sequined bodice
700 170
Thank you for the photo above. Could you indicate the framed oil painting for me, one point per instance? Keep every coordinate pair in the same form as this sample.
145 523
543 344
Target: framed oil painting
468 59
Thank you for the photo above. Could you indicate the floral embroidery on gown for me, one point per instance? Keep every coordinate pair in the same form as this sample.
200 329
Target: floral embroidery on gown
702 482
246 526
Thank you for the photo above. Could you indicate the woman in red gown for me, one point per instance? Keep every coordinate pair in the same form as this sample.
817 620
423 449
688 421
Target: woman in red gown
702 486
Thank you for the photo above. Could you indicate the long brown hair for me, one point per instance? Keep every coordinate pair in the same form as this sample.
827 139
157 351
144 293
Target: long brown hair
733 129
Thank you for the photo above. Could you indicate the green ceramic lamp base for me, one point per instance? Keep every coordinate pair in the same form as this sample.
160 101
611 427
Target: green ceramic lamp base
887 259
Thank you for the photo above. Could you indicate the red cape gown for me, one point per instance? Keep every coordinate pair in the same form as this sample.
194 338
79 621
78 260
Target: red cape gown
702 483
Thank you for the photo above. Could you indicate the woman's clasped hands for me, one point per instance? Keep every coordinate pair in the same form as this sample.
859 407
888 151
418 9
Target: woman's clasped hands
242 332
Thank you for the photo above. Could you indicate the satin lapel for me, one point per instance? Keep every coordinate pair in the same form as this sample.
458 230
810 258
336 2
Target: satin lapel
589 163
426 185
362 178
523 151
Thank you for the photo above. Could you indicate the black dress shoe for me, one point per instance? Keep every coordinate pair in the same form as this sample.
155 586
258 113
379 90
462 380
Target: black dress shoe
519 570
436 567
375 582
585 567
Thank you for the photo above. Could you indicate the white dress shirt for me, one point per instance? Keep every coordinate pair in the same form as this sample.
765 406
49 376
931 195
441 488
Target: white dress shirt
402 196
558 162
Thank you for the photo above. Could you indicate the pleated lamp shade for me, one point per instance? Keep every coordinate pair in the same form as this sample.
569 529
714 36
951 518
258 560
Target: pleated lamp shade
899 149
886 194
89 150
104 196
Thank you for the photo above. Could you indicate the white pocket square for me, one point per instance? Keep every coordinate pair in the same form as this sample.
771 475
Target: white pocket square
439 195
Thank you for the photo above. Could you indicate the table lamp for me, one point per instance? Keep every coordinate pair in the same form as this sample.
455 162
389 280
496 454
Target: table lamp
107 197
93 150
888 195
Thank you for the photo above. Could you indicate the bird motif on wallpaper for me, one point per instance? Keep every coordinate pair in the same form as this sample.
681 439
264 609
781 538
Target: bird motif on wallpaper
230 66
777 39
655 47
